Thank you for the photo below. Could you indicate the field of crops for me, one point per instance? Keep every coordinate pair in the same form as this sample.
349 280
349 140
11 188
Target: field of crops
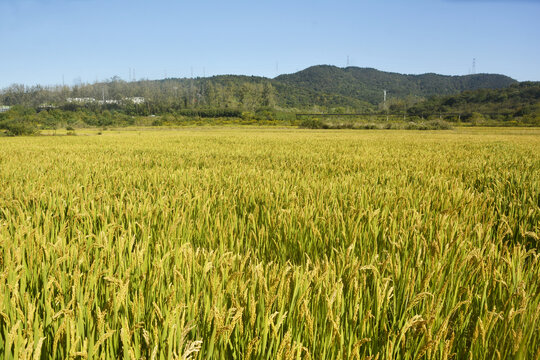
271 244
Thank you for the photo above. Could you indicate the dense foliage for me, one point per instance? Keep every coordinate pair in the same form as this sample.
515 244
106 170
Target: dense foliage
271 244
368 84
319 86
313 123
250 99
170 95
518 102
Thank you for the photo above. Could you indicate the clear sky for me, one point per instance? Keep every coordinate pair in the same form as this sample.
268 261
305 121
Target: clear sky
45 41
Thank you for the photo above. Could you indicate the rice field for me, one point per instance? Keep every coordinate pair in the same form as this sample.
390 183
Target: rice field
211 243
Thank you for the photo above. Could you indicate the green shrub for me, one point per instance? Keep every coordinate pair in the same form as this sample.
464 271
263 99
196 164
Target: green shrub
18 128
157 122
312 124
428 125
439 125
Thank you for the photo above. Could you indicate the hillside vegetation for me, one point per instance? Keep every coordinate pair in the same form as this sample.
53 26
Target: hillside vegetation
257 100
316 87
518 101
368 84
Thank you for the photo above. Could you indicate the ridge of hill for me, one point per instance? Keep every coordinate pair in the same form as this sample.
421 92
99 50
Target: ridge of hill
317 88
367 84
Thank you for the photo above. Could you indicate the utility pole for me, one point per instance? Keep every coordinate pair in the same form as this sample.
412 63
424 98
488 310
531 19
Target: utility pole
384 104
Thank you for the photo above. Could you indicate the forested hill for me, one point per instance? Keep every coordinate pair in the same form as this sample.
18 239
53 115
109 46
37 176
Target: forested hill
253 91
318 88
368 84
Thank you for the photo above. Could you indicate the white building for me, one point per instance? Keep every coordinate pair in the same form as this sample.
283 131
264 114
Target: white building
88 100
136 99
85 100
101 102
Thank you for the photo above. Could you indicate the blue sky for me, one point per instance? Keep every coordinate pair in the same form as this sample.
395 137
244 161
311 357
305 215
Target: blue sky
45 41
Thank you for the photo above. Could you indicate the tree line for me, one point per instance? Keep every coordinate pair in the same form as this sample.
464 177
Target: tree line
244 98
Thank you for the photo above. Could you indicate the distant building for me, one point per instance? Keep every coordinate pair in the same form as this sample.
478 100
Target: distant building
108 102
46 106
136 99
4 108
85 100
88 100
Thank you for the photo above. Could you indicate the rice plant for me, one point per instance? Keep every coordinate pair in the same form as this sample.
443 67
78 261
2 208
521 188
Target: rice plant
271 244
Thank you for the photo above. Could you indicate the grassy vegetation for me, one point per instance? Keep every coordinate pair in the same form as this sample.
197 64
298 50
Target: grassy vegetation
366 125
271 244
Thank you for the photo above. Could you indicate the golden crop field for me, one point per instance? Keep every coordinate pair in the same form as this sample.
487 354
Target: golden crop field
252 243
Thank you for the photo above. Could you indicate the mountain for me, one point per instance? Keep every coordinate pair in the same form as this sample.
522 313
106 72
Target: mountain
368 84
317 88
